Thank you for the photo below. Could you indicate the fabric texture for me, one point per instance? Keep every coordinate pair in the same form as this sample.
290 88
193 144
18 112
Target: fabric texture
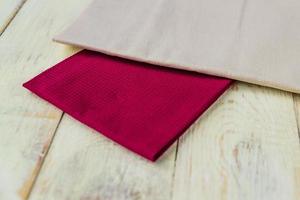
254 41
143 107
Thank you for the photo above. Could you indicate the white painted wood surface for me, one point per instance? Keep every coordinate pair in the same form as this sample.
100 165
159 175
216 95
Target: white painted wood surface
245 147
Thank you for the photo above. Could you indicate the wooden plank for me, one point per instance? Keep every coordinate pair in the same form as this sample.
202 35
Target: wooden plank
8 9
246 148
27 123
297 114
82 164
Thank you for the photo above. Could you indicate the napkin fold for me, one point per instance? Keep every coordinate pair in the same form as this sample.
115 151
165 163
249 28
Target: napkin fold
143 107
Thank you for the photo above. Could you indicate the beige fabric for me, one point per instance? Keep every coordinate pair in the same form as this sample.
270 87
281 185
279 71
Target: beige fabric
256 41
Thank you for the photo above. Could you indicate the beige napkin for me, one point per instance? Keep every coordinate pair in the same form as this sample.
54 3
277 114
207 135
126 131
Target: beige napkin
256 41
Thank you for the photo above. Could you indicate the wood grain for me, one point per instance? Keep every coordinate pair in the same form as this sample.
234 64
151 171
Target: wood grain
246 147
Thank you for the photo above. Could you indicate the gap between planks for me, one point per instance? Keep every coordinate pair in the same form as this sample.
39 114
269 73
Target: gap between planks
27 193
295 97
11 17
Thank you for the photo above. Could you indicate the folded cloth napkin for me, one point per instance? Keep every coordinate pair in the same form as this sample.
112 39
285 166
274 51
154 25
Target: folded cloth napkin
254 41
143 107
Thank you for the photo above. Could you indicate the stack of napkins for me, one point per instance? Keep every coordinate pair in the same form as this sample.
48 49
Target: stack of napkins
146 107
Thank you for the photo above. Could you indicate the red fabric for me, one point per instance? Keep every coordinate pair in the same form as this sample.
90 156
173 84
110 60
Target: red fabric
143 107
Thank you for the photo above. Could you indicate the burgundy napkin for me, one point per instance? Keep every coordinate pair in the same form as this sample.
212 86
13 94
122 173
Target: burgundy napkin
143 107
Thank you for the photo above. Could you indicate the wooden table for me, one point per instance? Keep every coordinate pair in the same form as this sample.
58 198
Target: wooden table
246 146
